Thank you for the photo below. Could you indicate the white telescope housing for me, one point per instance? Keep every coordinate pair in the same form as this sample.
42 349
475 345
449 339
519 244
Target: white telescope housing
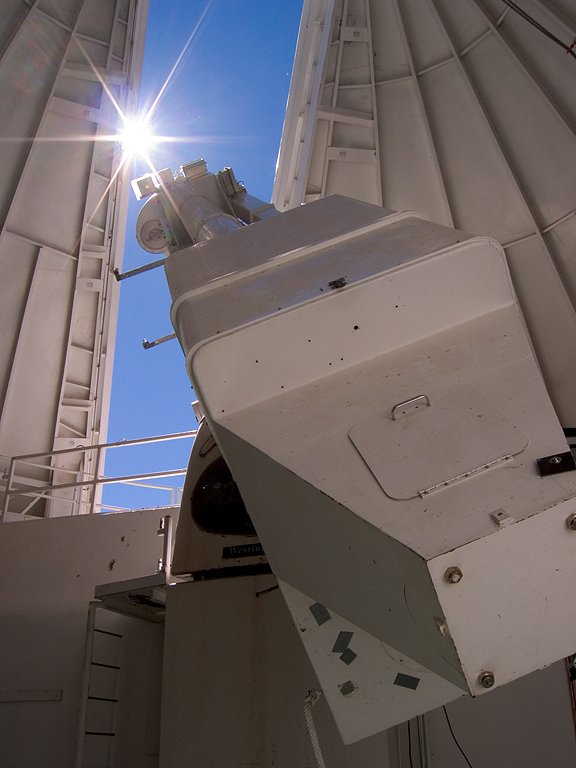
369 379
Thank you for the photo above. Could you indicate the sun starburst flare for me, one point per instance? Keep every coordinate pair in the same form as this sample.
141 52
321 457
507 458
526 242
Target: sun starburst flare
136 137
135 134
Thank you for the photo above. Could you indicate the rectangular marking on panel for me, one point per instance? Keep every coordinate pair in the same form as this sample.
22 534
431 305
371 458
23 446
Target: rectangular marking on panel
342 642
348 656
242 550
347 688
320 613
406 681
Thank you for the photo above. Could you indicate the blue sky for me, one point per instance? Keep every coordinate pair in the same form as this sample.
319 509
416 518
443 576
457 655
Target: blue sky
230 91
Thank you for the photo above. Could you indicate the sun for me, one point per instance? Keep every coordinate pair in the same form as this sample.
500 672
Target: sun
136 137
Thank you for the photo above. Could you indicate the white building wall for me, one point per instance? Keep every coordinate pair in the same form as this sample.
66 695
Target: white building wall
62 219
235 677
49 571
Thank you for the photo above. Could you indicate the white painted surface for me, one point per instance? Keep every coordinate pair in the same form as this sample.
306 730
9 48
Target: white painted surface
62 222
428 87
235 678
403 451
514 609
235 674
48 571
327 457
369 686
350 492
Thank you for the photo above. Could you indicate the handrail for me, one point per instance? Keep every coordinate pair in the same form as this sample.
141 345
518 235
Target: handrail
16 484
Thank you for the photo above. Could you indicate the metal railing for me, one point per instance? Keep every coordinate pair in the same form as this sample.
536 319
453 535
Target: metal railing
20 484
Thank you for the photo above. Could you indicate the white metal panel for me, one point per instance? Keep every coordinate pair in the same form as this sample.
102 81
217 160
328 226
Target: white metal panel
376 397
49 571
455 434
369 686
511 637
235 684
330 331
316 544
318 420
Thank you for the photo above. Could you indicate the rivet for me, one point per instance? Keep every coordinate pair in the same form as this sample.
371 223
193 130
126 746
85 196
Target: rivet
571 522
486 679
453 575
555 460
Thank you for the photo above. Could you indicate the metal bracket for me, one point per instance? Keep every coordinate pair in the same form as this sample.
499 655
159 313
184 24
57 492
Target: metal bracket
501 518
162 340
340 282
559 462
401 409
138 271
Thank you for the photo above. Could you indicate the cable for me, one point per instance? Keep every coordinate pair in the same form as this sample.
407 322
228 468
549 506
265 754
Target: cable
410 745
311 698
455 739
531 20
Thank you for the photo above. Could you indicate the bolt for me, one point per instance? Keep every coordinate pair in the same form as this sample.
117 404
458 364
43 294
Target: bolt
571 522
453 575
486 679
555 460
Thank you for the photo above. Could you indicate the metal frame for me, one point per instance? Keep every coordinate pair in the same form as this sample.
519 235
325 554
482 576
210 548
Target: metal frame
80 381
298 134
93 480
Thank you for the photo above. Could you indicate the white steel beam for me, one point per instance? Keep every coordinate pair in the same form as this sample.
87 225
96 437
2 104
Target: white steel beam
63 199
296 146
374 102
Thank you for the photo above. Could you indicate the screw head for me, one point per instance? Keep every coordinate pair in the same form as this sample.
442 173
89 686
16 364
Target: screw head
453 575
571 522
486 679
555 460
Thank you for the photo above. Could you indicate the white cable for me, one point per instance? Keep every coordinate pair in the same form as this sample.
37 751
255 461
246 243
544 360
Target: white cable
311 698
